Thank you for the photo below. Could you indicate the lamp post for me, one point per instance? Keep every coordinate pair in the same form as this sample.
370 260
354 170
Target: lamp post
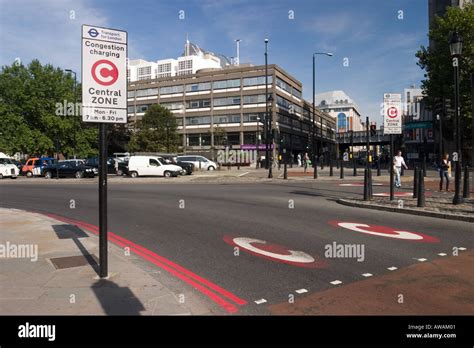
257 165
266 104
269 119
75 106
313 156
455 46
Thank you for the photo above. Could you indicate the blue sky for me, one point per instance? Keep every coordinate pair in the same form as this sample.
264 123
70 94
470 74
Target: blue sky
379 46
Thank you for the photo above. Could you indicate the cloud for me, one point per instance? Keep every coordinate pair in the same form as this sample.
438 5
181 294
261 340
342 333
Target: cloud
47 30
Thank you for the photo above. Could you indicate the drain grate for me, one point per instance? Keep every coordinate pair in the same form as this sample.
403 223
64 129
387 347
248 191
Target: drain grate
75 261
69 232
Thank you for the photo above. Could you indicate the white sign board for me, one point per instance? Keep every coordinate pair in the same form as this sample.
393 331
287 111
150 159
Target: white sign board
392 113
104 75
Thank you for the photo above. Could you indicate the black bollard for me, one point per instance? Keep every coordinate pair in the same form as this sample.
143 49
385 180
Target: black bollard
466 187
354 169
330 167
415 182
285 171
378 166
366 184
421 190
370 183
341 167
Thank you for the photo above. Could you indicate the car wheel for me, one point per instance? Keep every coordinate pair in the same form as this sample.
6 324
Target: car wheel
1 176
211 168
167 174
120 172
134 174
13 177
48 175
79 174
29 174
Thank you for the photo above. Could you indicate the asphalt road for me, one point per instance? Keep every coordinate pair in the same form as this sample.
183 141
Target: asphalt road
287 215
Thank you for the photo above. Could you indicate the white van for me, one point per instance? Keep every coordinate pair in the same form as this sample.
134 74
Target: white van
151 165
7 167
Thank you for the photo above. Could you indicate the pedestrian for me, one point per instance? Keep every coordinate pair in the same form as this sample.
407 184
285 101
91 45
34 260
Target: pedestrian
305 161
444 167
398 163
299 159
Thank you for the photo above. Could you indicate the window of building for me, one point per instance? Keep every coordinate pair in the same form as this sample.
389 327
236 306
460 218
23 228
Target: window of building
131 109
250 137
205 139
254 117
205 86
171 89
179 121
131 94
144 71
200 103
257 80
166 67
198 120
226 84
173 106
193 140
254 99
142 108
233 138
226 101
227 119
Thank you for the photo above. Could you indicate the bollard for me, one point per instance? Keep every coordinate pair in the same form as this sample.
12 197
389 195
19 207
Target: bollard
415 182
378 166
366 184
466 187
285 171
341 167
330 167
370 184
421 190
354 170
337 164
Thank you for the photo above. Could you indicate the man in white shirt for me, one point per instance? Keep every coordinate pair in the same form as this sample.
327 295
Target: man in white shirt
398 162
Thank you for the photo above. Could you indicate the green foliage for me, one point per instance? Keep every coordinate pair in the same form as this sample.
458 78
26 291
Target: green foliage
156 132
28 112
436 61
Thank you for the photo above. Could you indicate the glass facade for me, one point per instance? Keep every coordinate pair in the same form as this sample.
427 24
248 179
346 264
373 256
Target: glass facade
205 86
256 81
198 120
226 84
171 89
227 119
227 101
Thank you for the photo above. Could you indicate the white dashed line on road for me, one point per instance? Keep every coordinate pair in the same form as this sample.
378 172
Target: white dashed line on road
336 282
301 291
422 260
393 268
243 174
442 254
262 300
462 248
367 275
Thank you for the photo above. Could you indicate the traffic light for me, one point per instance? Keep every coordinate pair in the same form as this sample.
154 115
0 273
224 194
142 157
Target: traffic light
373 130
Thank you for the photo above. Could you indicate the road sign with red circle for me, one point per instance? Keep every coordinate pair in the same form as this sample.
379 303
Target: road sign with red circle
392 120
392 112
383 231
104 72
104 75
275 252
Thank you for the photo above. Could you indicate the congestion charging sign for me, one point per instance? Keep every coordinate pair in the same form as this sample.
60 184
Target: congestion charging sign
392 115
104 75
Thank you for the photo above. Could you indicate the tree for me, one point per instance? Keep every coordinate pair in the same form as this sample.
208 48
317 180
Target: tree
436 61
29 119
155 132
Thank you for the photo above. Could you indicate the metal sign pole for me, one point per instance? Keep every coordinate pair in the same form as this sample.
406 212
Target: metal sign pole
103 271
391 168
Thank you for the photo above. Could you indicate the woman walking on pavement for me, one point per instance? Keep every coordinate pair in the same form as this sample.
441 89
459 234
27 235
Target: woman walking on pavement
444 167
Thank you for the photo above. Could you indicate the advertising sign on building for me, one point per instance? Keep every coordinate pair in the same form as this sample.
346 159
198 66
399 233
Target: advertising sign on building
104 75
392 113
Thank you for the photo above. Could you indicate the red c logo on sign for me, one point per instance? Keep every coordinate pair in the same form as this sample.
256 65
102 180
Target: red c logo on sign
104 72
383 231
275 252
392 112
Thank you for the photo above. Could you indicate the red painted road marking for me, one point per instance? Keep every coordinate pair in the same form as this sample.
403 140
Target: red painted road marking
275 252
399 194
173 268
383 231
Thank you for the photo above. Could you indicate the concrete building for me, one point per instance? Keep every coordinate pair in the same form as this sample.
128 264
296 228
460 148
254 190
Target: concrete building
342 108
219 107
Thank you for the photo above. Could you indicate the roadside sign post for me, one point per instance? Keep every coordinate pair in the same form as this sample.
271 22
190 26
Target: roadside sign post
392 124
104 101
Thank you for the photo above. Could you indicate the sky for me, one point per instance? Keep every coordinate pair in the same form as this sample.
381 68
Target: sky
374 42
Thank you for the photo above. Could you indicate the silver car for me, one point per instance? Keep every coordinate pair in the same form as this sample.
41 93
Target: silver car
199 162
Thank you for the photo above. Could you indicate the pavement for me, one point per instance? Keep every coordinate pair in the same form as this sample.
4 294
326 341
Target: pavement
31 283
242 247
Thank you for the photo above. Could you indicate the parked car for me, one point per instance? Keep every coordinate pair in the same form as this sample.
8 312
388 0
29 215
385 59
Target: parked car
35 165
151 165
76 162
7 167
68 169
199 162
111 169
19 164
188 167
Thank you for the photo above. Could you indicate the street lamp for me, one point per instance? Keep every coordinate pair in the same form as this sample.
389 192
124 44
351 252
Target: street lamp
455 46
75 106
268 117
315 166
